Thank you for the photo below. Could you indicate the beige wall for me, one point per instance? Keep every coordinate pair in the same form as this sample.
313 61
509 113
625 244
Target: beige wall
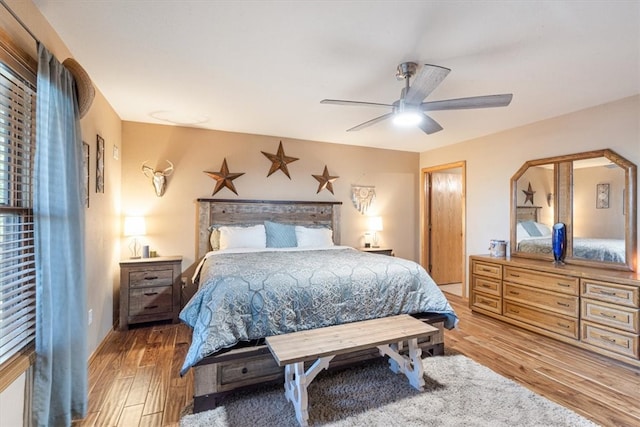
492 160
102 217
171 226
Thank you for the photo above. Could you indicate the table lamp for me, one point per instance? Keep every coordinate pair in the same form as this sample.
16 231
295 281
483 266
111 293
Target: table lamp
134 226
375 225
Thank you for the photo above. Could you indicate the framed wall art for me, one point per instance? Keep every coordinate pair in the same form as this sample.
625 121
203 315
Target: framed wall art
85 172
99 164
602 196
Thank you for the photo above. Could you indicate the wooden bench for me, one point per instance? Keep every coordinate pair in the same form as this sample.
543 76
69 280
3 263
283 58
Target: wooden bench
387 334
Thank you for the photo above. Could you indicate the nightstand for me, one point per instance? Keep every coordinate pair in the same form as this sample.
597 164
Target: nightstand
149 290
381 251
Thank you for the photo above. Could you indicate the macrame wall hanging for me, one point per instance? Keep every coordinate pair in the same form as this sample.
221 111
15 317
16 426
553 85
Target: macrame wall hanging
362 196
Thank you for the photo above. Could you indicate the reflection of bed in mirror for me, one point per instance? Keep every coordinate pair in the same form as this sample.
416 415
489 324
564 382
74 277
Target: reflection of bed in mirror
535 237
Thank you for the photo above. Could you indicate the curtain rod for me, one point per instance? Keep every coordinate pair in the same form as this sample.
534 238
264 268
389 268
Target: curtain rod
22 24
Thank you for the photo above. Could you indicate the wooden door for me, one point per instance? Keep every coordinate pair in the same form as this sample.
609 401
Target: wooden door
444 217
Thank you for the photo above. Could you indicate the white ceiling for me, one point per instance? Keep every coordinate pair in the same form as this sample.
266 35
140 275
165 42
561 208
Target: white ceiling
261 67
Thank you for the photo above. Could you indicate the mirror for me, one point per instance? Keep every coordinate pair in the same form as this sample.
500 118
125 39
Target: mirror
592 193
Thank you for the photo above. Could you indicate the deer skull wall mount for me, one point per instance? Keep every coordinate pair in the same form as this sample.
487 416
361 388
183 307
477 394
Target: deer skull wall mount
158 177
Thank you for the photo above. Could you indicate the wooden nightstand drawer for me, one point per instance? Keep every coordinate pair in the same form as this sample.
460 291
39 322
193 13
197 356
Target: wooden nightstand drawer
154 300
485 269
610 339
611 292
151 277
627 319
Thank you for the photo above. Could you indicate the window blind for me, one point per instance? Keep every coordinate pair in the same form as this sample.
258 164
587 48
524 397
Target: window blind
17 263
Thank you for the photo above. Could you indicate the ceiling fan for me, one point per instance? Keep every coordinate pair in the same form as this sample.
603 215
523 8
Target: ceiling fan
410 108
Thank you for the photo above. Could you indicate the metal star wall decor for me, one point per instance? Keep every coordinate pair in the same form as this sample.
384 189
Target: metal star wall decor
529 194
325 180
279 161
224 178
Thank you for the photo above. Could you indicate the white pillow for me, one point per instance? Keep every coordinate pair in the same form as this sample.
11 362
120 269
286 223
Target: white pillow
214 239
314 237
521 233
544 229
243 237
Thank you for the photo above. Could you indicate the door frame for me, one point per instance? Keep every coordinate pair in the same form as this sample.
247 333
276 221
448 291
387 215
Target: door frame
425 211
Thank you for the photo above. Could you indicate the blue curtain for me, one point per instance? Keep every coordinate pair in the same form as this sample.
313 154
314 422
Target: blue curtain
60 374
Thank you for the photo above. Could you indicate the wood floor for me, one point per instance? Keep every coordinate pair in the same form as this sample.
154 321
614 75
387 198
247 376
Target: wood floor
134 380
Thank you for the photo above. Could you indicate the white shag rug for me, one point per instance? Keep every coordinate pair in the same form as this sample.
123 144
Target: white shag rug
458 392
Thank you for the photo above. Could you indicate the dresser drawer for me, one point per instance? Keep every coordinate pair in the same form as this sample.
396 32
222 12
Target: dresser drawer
486 302
610 339
487 286
151 277
611 292
624 318
552 282
558 303
486 269
143 301
557 323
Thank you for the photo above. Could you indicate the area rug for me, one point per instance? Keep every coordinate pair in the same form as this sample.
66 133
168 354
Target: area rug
458 392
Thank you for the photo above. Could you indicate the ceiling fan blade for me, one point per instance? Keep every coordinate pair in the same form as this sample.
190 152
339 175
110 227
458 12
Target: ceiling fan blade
429 126
427 79
370 122
354 103
487 101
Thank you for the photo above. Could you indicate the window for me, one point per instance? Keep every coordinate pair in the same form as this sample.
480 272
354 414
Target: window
17 263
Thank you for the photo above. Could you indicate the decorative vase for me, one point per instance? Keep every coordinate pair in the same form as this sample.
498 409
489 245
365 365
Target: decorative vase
558 242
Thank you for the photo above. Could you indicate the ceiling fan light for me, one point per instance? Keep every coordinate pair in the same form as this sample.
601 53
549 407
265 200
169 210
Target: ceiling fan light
407 118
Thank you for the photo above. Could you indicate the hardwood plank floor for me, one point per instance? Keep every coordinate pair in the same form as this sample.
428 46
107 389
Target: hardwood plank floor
134 380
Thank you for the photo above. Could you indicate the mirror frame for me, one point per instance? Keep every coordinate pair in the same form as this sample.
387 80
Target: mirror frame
563 206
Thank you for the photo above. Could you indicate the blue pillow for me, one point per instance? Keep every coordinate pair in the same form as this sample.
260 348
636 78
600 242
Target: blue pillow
280 235
530 227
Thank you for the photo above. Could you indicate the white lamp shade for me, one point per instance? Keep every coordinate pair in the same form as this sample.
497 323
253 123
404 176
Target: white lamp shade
375 223
134 226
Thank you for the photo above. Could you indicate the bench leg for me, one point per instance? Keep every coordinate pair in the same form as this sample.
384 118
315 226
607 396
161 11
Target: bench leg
296 381
410 365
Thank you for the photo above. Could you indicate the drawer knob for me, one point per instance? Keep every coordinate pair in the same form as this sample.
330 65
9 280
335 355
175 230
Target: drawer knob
151 278
514 292
562 325
515 275
610 316
562 304
149 294
244 370
151 307
566 285
511 310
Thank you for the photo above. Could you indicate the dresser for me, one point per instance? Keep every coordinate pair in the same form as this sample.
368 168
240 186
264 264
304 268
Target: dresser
588 307
150 290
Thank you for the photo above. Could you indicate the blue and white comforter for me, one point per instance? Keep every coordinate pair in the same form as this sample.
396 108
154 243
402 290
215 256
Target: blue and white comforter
245 296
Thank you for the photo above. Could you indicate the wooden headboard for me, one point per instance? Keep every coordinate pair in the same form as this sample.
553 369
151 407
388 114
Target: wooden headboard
247 212
527 213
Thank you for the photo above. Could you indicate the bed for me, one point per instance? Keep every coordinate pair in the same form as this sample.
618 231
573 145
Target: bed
245 294
535 237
